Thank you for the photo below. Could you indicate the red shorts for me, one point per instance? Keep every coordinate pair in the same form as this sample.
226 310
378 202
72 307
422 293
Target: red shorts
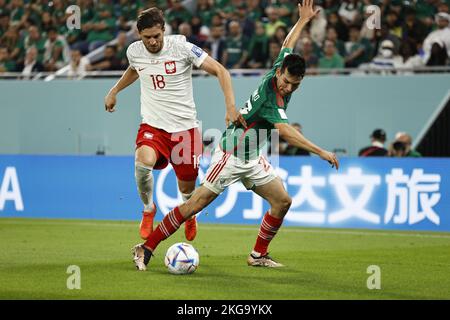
182 149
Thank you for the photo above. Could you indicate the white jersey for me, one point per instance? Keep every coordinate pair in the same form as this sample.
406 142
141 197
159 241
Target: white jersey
167 100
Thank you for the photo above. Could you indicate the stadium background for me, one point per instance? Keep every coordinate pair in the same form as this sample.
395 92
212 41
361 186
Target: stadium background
63 157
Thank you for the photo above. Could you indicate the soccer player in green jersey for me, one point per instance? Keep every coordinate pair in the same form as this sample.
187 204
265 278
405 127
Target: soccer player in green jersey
237 157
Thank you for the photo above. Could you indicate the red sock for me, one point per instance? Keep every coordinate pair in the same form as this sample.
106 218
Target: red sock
165 228
268 230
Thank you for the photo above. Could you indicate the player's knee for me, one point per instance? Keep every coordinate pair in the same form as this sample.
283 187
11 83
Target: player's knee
144 164
145 156
141 160
284 203
287 202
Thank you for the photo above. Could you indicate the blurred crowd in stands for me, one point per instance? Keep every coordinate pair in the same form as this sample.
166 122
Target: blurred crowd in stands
34 36
400 147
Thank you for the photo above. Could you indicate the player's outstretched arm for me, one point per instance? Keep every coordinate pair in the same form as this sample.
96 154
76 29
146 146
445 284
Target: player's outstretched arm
216 69
128 77
295 138
307 13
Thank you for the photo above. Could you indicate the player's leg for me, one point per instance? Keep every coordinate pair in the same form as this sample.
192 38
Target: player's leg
145 159
190 225
185 157
152 153
262 179
280 202
201 198
169 225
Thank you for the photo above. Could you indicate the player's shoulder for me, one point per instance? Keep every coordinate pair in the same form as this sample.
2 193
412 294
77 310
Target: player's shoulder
175 40
136 48
177 46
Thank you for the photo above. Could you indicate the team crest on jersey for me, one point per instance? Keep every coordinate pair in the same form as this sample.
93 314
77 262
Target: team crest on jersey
171 67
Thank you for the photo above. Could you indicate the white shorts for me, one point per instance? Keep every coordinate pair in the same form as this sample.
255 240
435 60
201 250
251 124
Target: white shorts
225 169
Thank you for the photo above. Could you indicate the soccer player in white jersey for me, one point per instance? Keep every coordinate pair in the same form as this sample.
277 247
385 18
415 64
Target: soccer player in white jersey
169 128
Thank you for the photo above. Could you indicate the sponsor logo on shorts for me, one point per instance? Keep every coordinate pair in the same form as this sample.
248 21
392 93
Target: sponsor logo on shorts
148 135
197 51
171 67
222 182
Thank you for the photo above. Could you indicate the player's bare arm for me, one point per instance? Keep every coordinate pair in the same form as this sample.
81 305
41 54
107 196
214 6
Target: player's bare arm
128 77
307 13
295 138
216 69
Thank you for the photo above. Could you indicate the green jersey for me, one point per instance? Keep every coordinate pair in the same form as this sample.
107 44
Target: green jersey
235 49
262 111
335 62
7 66
414 154
104 34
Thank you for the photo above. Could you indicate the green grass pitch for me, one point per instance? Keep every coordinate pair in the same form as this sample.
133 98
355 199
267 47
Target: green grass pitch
320 263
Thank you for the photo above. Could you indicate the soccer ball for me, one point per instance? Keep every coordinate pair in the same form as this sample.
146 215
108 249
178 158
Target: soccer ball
181 258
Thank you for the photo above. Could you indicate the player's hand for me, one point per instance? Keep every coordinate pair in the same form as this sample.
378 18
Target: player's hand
306 10
110 102
331 158
236 118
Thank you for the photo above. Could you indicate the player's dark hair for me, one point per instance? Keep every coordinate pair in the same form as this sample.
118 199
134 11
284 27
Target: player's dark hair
294 64
150 18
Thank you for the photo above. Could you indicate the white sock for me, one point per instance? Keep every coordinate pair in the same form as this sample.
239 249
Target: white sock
144 181
186 196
